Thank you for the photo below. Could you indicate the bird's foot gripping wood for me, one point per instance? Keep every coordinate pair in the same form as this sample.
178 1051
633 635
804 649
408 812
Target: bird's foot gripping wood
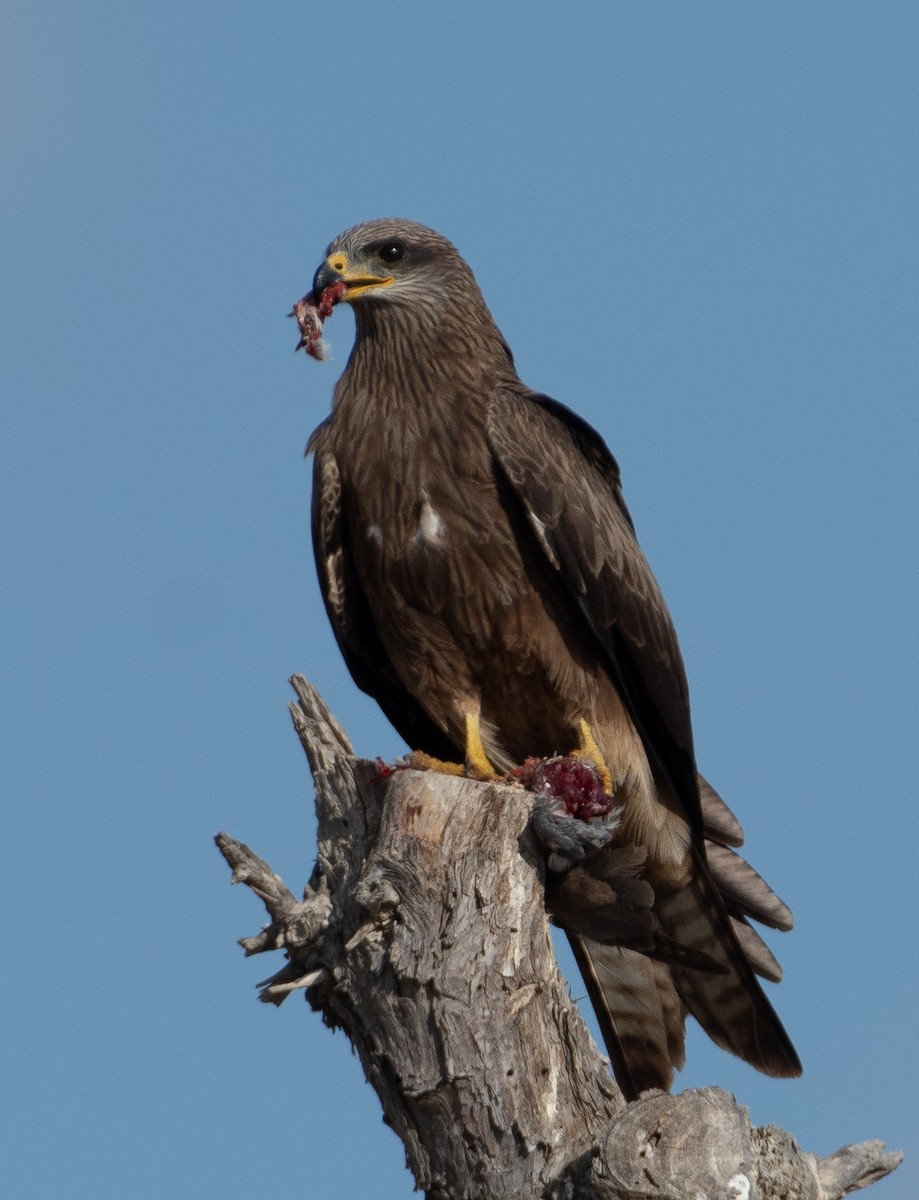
476 765
589 752
420 761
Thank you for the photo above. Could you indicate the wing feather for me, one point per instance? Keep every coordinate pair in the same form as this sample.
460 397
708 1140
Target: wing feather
350 616
568 484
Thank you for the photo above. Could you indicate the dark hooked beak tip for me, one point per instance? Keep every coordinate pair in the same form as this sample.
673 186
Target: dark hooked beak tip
324 278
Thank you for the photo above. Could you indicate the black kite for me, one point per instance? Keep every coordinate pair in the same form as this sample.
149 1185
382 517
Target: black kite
483 578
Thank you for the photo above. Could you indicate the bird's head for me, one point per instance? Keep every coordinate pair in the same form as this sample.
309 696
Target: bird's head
406 284
393 260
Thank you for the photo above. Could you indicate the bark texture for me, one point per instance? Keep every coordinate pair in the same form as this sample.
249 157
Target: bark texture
422 934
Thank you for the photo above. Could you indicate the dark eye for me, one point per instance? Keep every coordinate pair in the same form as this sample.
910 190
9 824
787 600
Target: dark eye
391 252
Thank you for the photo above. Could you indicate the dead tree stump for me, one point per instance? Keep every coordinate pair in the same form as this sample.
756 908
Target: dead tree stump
423 935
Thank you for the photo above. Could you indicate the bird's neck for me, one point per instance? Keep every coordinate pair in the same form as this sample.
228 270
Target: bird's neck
428 349
413 402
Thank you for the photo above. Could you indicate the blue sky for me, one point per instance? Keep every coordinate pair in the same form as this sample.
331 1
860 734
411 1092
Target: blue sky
696 224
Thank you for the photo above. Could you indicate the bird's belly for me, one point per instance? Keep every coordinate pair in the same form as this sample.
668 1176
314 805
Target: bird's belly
469 633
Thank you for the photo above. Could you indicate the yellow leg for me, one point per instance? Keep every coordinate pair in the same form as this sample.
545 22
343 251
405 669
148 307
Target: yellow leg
476 765
588 751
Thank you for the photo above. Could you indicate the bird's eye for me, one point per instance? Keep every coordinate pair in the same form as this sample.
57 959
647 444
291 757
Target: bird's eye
391 252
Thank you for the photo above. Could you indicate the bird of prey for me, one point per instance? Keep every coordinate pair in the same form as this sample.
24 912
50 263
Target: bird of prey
485 585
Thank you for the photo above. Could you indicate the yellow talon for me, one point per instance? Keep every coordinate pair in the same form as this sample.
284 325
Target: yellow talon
427 762
476 765
588 751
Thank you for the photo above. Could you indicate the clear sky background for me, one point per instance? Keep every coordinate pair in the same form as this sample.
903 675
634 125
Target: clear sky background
696 223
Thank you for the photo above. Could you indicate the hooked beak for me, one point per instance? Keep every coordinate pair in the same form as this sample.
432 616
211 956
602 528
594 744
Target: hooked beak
336 269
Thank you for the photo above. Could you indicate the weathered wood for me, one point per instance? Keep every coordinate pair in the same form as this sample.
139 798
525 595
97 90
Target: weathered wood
423 935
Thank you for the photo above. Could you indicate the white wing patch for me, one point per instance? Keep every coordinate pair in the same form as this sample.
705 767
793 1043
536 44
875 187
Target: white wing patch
430 527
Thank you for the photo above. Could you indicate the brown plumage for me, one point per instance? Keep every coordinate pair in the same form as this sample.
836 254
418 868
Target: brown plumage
482 576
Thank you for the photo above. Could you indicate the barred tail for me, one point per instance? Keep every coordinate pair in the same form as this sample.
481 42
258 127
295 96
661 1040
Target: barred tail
729 1004
640 1014
641 1003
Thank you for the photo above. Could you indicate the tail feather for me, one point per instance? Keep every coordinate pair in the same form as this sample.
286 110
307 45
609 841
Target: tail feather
730 1006
639 1011
744 890
718 821
760 957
